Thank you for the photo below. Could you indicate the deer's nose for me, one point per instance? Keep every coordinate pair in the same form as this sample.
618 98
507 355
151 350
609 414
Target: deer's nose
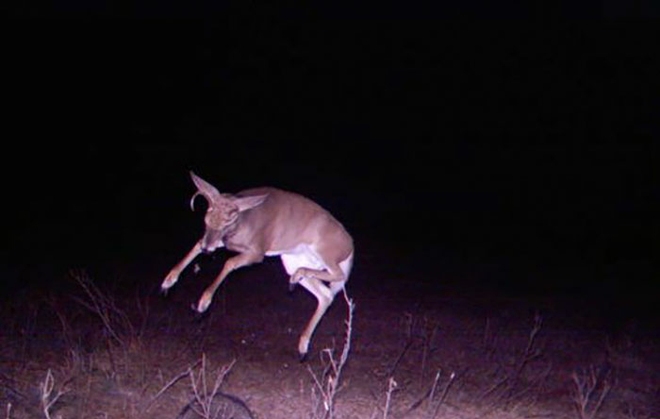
206 249
211 240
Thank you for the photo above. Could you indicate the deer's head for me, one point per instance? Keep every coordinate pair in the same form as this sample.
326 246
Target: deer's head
222 213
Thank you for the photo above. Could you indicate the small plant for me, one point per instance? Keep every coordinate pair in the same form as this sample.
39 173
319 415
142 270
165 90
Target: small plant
391 387
46 395
203 403
115 321
589 391
410 323
332 372
433 408
207 402
511 385
435 396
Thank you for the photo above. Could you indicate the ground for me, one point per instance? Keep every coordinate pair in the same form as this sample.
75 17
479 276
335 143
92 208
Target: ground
116 348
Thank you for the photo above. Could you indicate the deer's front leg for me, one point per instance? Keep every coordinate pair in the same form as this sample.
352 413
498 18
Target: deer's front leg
232 264
173 276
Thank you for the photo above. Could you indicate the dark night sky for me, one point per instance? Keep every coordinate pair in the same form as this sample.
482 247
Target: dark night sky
479 142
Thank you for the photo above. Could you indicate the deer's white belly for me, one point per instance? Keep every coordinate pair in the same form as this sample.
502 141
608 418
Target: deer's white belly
302 256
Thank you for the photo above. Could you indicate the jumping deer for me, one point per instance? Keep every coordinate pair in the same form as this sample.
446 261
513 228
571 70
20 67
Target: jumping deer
315 248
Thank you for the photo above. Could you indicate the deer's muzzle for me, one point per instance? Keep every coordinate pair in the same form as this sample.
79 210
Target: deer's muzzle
212 240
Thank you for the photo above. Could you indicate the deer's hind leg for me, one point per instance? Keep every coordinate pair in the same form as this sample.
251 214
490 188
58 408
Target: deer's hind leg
324 295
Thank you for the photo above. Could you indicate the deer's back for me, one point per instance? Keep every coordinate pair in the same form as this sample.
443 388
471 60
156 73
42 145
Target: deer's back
287 219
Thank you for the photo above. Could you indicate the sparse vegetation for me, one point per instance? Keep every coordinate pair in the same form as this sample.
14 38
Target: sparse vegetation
48 394
590 388
91 351
327 383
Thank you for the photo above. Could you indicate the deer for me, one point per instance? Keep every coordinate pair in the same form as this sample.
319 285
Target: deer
315 249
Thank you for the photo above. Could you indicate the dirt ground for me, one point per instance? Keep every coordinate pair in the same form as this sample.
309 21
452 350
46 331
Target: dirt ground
106 344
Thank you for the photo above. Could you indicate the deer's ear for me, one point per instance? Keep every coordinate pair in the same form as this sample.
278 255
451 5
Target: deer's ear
249 202
205 188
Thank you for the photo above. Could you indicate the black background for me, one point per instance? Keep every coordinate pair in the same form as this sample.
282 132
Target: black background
523 148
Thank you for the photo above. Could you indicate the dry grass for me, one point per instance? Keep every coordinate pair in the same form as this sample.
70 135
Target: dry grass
91 351
328 382
590 389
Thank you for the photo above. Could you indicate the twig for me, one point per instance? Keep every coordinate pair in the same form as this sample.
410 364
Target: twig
435 384
334 367
431 409
584 389
104 307
443 396
171 383
429 335
46 390
529 353
409 342
205 398
506 388
391 386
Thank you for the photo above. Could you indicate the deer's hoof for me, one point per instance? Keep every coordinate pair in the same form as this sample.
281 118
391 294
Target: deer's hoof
204 303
